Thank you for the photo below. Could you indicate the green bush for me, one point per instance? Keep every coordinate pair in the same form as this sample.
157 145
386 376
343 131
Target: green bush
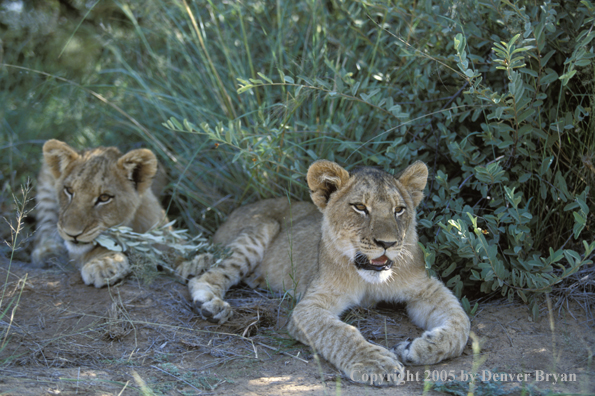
494 96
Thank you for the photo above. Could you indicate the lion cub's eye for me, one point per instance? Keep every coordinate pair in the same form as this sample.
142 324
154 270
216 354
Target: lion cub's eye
359 207
103 198
68 191
399 210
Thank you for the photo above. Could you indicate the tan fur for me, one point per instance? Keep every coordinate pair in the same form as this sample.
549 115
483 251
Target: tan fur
312 251
81 194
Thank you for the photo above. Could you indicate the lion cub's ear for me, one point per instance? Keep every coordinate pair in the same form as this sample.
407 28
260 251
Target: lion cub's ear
324 178
414 179
139 166
58 155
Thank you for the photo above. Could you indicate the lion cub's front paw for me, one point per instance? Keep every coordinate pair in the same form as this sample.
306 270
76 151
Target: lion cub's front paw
105 270
190 269
376 366
430 348
47 251
407 354
214 310
207 304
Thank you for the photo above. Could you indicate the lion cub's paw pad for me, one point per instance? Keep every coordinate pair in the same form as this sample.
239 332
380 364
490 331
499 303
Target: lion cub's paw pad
199 264
214 310
105 270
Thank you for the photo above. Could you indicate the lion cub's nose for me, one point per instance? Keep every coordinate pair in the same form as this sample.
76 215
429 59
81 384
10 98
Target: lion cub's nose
384 244
74 237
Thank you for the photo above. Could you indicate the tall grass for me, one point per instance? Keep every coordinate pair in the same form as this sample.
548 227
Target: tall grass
259 143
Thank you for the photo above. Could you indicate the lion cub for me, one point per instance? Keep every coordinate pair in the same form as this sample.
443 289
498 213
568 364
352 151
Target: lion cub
356 245
81 194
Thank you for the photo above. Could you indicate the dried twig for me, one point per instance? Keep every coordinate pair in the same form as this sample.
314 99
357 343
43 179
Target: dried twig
282 352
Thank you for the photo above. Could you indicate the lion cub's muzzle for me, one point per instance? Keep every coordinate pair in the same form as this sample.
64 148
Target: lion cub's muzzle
75 236
364 263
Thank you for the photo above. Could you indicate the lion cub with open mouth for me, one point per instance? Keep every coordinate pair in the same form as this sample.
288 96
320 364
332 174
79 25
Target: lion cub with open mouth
356 245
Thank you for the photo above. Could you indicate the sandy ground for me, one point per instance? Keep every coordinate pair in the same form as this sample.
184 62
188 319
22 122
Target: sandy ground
66 338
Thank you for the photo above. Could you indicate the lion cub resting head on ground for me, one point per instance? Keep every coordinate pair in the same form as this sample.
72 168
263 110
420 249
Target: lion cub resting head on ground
358 245
81 194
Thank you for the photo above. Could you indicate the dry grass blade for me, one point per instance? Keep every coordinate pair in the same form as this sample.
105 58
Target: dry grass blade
283 352
146 391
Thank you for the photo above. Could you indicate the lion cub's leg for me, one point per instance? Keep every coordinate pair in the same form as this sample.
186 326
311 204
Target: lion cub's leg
194 267
48 244
315 322
438 311
247 251
102 267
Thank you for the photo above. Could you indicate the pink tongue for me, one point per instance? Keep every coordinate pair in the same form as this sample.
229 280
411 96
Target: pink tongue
379 261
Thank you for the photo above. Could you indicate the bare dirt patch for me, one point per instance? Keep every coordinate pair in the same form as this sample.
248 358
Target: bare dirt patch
67 338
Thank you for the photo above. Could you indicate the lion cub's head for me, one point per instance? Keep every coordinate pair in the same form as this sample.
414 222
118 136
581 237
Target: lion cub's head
97 189
369 215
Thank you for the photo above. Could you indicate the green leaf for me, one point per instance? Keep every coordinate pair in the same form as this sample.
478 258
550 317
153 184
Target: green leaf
525 177
545 165
449 270
245 88
228 135
265 78
525 114
579 225
189 126
513 40
550 77
572 257
425 223
530 72
567 76
459 42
